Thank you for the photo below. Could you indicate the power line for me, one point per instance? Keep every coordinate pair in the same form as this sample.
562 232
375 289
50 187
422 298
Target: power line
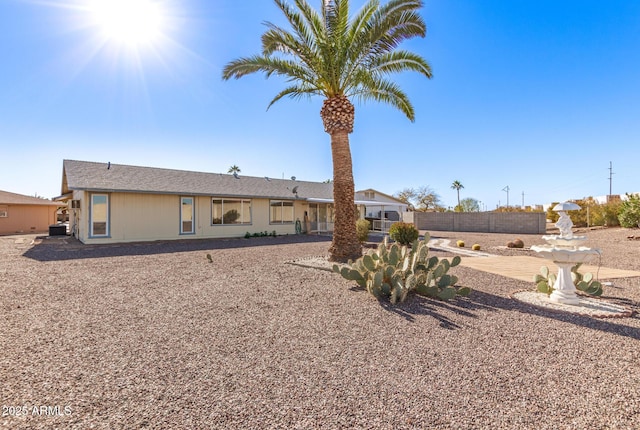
507 190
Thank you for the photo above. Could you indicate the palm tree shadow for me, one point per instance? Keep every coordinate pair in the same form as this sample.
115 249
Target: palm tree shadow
70 248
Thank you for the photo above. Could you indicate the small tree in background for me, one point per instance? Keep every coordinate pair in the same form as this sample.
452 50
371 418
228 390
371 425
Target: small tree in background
468 205
427 199
408 196
629 215
420 199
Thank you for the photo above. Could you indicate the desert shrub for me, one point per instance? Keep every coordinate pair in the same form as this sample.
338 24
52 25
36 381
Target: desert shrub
475 247
592 213
551 214
403 233
611 211
362 230
629 215
517 243
460 243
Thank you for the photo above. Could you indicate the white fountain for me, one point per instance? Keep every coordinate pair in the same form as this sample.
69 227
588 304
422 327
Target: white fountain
565 252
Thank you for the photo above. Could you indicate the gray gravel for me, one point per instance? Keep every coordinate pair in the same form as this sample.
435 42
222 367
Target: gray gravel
155 336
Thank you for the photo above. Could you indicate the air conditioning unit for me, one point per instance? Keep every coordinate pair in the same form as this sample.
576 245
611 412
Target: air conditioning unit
75 204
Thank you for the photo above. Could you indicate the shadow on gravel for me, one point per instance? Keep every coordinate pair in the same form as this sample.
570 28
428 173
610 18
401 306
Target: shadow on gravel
419 305
48 249
609 325
478 300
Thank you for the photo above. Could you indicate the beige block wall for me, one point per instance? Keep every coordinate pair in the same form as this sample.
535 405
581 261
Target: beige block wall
488 222
27 219
137 217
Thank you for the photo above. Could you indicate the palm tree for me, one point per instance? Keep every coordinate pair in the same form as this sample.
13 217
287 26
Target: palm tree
457 186
233 169
338 57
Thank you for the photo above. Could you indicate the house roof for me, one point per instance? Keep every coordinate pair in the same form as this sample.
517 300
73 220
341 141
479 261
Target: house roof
7 198
109 177
383 194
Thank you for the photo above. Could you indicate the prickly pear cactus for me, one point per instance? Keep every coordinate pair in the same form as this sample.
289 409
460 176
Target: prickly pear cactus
544 281
585 283
394 271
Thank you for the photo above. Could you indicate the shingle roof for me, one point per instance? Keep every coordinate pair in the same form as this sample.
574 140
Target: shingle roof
92 176
7 198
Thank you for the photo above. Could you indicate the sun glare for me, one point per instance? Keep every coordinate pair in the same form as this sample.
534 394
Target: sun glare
128 22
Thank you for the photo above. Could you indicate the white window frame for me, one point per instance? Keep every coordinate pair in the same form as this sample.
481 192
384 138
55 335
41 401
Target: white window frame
282 221
245 204
193 215
107 229
4 211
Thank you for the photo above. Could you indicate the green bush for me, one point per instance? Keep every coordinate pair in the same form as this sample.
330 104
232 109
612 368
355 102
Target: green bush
403 233
629 214
611 211
362 230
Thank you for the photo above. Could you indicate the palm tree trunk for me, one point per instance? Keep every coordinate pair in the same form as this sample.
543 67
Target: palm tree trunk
345 245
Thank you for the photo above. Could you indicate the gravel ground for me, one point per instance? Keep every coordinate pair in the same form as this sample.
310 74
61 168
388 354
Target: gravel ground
156 336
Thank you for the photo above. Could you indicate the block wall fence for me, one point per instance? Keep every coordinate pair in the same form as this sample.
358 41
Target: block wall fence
480 222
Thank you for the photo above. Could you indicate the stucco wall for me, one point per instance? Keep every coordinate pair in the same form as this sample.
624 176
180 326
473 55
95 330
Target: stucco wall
137 217
484 222
27 219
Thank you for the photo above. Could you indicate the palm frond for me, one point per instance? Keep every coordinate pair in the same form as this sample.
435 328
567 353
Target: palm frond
269 66
325 52
381 90
295 92
400 61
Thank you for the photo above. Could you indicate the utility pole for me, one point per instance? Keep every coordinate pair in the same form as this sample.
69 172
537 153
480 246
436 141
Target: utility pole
507 190
523 200
610 178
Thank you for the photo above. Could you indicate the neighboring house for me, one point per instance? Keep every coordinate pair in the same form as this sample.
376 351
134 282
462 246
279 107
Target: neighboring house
111 203
381 209
25 214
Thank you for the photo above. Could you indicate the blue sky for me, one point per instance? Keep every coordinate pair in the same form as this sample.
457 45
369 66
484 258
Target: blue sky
536 95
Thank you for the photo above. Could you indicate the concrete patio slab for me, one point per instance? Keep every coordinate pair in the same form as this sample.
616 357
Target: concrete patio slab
525 267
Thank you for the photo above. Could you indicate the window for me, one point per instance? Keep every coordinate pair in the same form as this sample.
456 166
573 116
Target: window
186 215
230 211
99 215
370 195
281 212
4 211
